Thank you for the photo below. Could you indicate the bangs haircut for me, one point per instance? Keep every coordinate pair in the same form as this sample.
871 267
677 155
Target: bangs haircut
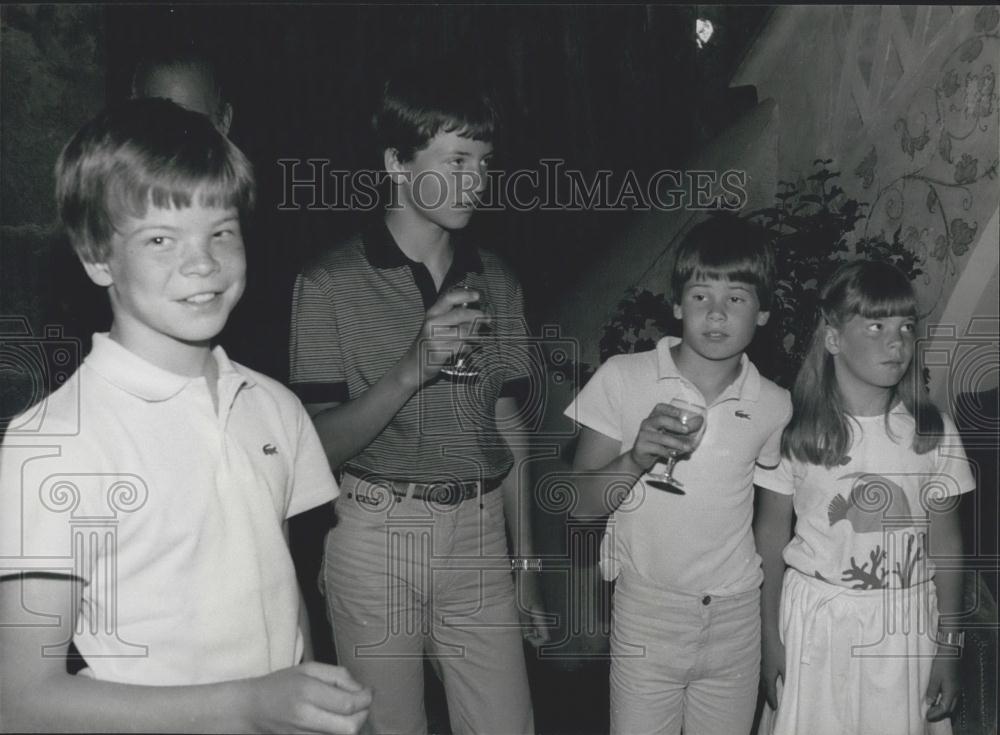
869 289
142 153
725 247
821 430
422 102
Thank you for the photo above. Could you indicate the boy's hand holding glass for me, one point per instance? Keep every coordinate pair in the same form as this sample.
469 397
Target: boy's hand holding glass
668 433
462 364
447 326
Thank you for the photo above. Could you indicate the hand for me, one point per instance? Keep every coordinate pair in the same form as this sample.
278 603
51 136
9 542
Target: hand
535 626
663 433
447 324
312 697
531 610
772 666
942 689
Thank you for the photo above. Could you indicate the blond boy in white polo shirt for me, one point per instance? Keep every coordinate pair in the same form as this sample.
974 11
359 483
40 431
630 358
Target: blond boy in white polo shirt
685 639
143 517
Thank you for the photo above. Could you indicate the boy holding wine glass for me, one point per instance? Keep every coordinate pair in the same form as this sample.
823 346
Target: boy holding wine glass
685 638
415 565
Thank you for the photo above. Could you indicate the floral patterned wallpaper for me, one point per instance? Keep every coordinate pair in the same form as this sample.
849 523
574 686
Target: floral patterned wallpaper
934 174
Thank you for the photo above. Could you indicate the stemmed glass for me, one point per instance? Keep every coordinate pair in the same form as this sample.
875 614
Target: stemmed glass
460 366
688 411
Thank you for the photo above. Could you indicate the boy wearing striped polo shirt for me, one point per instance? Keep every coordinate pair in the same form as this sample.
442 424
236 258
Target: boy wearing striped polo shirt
416 564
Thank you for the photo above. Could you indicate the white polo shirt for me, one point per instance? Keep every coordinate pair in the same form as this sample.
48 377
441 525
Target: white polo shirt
700 542
170 512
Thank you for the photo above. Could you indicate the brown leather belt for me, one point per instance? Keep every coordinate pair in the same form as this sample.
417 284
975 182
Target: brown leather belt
440 493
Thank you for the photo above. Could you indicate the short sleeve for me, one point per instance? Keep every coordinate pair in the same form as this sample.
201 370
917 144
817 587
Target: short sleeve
778 478
770 453
598 406
316 372
50 489
313 482
951 463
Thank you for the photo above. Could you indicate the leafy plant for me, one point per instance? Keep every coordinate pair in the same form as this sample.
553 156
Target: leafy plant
812 224
642 318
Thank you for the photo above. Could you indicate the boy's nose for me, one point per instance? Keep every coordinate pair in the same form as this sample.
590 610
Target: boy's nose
481 181
199 261
472 182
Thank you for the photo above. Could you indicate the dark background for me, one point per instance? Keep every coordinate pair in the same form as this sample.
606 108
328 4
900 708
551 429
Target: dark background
615 87
601 87
620 88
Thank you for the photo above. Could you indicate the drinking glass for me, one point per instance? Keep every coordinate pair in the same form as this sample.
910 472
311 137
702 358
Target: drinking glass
688 412
460 366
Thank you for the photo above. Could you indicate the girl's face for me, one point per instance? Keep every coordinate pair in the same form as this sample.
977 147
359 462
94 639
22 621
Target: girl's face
871 355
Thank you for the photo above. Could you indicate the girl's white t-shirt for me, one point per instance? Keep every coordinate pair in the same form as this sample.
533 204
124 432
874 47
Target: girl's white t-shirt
869 522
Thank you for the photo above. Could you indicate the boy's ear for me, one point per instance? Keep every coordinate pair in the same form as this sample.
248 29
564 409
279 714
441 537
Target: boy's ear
393 165
831 339
392 162
226 119
678 314
99 273
762 318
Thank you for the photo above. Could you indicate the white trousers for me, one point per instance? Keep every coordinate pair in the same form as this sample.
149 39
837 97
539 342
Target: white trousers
682 661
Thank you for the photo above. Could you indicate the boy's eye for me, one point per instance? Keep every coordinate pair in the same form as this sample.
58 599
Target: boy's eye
737 299
908 328
875 327
158 241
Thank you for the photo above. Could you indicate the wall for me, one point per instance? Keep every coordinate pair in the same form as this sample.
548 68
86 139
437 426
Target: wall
51 81
903 99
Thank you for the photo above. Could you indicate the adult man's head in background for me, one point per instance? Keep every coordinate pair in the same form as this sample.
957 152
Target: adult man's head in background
188 77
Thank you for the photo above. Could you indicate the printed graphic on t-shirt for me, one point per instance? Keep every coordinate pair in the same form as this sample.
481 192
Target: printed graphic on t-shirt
876 577
870 502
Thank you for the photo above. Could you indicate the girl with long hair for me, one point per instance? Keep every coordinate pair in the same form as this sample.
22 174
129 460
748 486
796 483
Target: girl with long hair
858 608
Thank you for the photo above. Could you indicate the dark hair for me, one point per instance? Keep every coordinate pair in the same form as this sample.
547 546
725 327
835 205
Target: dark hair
427 99
726 247
181 58
141 153
820 430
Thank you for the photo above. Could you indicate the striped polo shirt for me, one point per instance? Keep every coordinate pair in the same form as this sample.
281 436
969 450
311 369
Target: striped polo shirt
355 312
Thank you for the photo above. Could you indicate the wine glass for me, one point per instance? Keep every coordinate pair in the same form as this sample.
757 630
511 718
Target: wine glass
688 411
460 365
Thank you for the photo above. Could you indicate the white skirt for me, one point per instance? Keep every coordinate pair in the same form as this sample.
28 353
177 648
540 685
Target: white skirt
857 662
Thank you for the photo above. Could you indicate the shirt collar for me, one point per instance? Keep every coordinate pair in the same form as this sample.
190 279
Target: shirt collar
382 251
143 379
746 387
899 408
